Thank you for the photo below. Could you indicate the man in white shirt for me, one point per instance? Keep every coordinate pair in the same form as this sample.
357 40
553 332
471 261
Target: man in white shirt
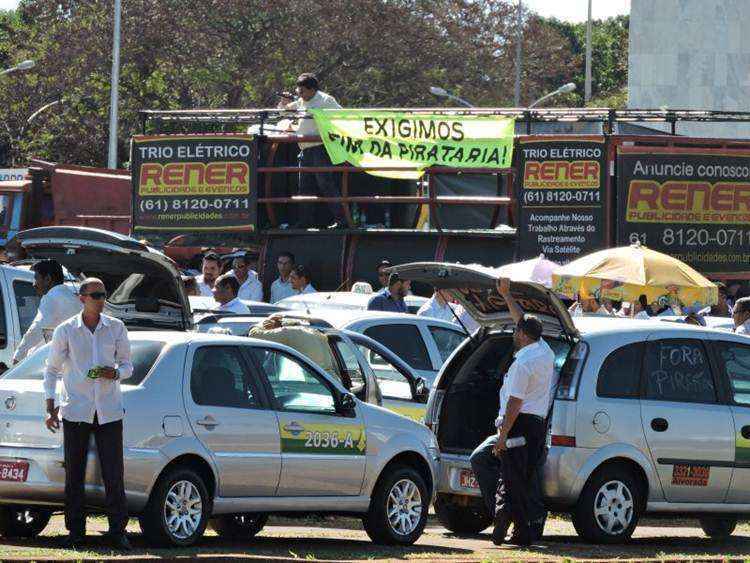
313 153
438 307
211 269
90 352
741 316
282 288
250 287
525 399
588 306
225 293
300 280
58 304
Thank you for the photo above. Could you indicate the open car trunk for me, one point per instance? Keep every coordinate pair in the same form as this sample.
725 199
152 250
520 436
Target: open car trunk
143 285
471 399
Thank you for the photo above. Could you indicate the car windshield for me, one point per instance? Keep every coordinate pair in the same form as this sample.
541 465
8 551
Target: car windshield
143 354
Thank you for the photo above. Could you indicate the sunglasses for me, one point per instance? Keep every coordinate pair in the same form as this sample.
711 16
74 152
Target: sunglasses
97 295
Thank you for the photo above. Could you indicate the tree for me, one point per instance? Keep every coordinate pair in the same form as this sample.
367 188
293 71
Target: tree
238 53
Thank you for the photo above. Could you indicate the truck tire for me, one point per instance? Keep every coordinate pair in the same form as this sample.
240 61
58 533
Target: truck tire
609 506
22 521
178 509
718 528
458 519
238 526
399 506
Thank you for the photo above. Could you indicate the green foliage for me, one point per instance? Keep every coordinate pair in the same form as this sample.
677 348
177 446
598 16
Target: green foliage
238 53
609 56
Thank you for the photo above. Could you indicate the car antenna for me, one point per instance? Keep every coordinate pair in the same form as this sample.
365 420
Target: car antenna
463 326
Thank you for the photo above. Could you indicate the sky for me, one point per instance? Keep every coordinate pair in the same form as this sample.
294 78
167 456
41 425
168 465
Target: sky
567 10
575 10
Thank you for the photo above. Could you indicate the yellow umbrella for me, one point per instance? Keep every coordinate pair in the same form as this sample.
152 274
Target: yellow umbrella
624 273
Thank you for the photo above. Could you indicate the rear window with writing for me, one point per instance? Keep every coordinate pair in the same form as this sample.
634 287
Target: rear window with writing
678 370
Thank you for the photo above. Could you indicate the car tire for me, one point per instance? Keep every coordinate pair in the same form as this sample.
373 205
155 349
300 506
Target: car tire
238 526
609 506
403 493
22 521
178 509
458 519
718 528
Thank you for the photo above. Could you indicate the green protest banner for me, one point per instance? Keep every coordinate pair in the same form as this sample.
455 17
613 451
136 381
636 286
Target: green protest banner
415 141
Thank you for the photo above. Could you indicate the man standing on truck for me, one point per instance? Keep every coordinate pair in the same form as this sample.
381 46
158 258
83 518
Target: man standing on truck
313 153
58 303
525 397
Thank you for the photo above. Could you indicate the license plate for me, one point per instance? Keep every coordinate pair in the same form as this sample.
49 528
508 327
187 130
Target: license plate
14 470
467 480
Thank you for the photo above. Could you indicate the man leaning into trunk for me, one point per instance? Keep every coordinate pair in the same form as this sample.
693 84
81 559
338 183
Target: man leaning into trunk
510 478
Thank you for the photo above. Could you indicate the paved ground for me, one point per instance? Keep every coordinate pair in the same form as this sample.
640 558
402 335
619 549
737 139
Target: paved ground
343 539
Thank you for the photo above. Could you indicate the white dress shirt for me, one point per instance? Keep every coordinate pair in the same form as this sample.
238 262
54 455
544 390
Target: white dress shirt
531 378
56 306
203 286
432 308
74 351
744 328
251 289
233 306
281 290
308 289
307 126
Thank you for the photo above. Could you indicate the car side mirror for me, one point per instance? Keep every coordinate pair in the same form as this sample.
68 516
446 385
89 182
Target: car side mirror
347 403
421 391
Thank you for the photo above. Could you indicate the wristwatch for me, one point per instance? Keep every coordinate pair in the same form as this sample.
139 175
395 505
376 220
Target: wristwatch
117 375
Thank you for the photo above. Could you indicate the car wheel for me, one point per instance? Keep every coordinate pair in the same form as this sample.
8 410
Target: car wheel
238 526
178 509
398 509
461 519
609 506
23 522
718 528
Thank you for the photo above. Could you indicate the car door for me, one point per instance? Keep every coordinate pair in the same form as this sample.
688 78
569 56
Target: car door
733 360
407 342
229 416
689 431
444 340
402 391
322 450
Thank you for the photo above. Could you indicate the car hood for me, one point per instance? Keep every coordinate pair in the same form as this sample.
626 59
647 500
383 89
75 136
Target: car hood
144 286
474 287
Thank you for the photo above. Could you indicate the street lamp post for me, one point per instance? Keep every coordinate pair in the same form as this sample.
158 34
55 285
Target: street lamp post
23 65
443 93
564 89
113 98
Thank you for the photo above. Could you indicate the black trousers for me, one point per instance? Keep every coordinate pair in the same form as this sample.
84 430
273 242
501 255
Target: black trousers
519 465
324 184
108 438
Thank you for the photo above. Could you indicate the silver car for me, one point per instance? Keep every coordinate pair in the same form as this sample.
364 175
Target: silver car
650 417
217 428
423 343
225 430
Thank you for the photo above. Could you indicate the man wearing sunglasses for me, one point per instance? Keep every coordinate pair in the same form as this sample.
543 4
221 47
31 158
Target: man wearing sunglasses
90 352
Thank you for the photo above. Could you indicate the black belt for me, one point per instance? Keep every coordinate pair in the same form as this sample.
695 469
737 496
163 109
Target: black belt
535 417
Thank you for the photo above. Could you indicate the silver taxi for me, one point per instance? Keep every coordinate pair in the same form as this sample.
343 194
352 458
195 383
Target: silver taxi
649 417
224 430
